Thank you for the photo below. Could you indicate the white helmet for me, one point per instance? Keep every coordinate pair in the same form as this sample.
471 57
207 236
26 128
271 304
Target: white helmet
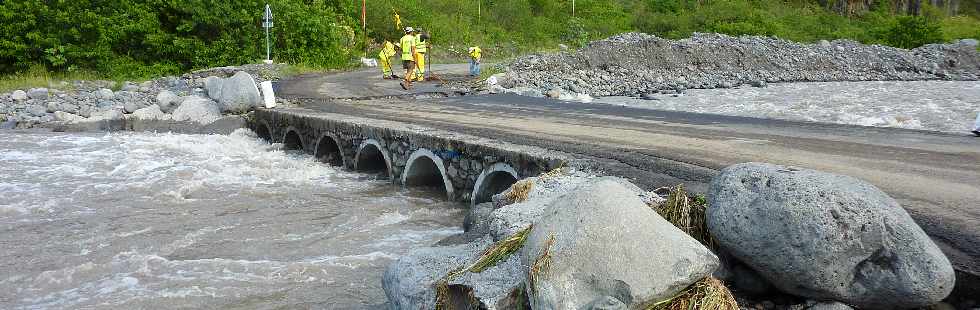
409 30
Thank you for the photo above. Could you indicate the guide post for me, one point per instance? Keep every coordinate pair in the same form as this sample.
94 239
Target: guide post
267 24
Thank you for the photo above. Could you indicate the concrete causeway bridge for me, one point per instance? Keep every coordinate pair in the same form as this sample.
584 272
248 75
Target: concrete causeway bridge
468 168
475 146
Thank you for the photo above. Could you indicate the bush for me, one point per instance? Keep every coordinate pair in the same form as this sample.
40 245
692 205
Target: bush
911 32
145 38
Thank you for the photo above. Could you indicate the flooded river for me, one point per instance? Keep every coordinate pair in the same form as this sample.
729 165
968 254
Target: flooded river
144 220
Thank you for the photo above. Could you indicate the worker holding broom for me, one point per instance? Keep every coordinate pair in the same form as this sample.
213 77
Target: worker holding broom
384 56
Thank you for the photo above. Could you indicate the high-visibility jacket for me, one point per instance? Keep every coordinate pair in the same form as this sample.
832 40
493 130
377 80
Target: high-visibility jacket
388 50
408 42
476 53
420 47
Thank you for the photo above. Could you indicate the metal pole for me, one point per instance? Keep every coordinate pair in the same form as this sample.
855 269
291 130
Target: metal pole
363 14
268 49
573 8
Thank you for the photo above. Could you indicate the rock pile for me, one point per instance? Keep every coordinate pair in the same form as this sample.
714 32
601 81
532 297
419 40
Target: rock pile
164 99
636 64
572 240
567 226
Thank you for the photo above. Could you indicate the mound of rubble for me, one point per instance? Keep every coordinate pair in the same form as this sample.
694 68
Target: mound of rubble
637 64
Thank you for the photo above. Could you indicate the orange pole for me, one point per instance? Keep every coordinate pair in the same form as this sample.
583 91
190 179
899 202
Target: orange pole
364 14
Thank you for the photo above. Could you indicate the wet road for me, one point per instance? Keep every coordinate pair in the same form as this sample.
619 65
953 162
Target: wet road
935 176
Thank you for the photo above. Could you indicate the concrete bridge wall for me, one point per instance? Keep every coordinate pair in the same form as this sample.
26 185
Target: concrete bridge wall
468 168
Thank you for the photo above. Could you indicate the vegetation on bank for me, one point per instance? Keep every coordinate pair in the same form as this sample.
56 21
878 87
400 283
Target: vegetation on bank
128 39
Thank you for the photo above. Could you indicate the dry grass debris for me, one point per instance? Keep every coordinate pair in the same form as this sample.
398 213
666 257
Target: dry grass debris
687 214
707 294
519 191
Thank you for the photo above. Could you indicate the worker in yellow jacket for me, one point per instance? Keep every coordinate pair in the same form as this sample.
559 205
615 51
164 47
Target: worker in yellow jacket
475 55
408 42
384 56
421 47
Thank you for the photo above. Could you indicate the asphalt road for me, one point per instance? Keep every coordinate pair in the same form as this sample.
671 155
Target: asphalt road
935 176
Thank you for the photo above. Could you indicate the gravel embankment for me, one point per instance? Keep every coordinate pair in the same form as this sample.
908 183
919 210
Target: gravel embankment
95 100
636 64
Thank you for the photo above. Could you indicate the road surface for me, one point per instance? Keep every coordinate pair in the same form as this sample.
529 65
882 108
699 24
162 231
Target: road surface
935 176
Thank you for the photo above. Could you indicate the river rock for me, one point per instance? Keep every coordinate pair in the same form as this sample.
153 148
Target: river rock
197 109
826 237
107 115
239 94
67 117
829 305
38 93
151 112
167 101
130 107
511 217
409 282
36 110
18 95
605 241
104 93
212 85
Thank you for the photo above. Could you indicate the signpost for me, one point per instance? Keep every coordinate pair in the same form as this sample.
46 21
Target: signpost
267 24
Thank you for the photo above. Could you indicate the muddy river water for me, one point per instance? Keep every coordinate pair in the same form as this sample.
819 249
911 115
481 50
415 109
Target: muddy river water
160 220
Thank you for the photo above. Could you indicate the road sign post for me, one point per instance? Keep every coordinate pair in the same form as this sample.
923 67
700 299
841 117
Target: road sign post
267 24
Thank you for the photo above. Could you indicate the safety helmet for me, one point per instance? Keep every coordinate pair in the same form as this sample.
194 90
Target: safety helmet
409 29
470 49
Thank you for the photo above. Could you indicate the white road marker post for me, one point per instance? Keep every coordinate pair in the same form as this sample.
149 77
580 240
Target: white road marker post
267 24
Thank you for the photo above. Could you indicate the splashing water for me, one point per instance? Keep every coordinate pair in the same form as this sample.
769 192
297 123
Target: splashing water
142 220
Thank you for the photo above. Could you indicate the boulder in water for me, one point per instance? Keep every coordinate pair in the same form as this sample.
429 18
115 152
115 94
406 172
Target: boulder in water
197 109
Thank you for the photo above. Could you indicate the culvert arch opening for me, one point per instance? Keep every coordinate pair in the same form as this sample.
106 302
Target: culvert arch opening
372 158
425 169
262 131
292 141
328 151
493 180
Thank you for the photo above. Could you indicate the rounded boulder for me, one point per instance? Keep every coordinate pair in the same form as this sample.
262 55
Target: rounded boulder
826 237
239 93
601 240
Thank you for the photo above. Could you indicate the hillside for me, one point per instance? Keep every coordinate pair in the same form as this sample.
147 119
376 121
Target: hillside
124 39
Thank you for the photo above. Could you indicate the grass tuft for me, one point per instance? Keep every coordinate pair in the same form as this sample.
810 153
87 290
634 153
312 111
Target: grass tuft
687 214
707 294
500 251
541 264
493 255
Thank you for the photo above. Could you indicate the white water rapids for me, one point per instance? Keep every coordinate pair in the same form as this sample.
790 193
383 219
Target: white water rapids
145 220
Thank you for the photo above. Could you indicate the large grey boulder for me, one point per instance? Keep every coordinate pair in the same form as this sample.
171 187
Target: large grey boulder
151 112
18 95
107 115
603 240
826 237
197 109
167 101
104 93
239 93
212 86
409 282
38 93
67 117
